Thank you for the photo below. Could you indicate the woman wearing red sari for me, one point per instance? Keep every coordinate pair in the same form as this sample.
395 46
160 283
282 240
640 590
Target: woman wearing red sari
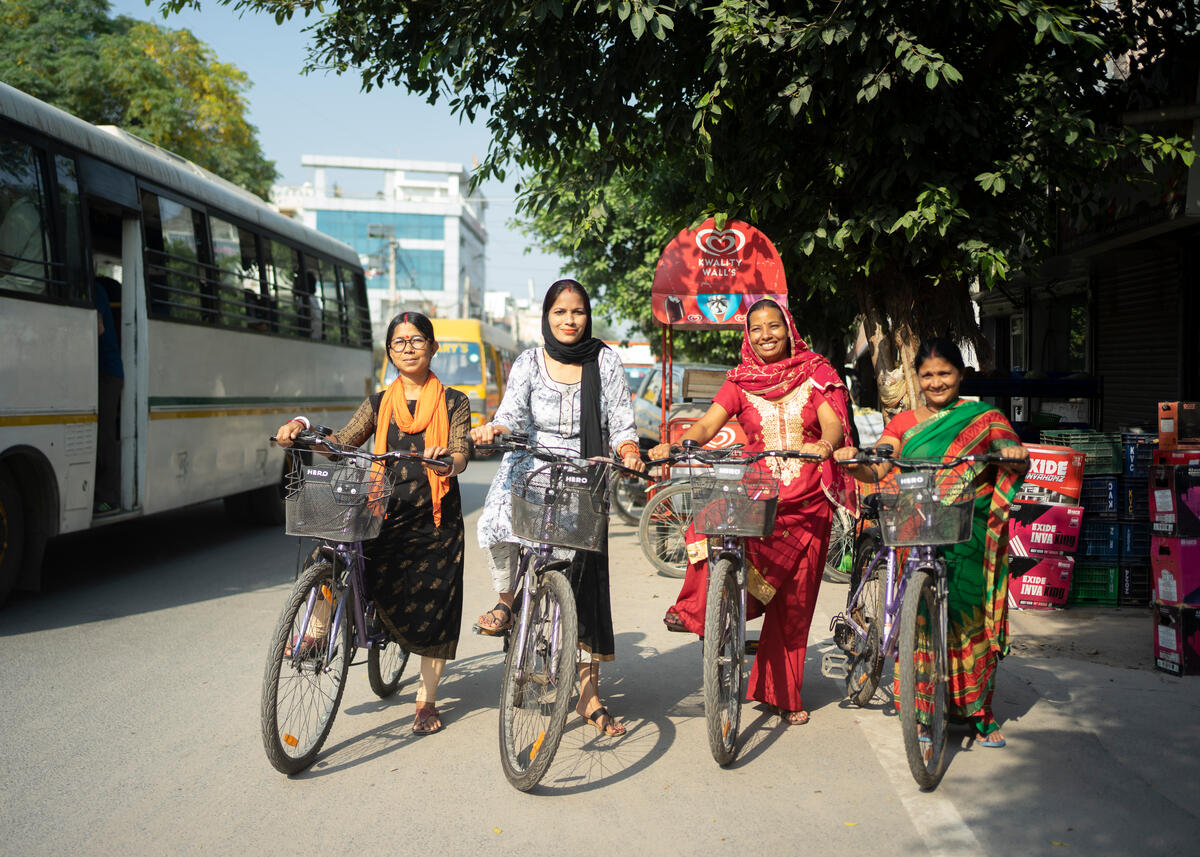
785 397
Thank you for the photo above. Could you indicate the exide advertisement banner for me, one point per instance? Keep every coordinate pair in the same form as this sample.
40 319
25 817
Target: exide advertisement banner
1055 475
708 277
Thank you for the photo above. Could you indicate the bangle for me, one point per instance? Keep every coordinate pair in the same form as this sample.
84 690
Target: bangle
302 420
828 446
629 443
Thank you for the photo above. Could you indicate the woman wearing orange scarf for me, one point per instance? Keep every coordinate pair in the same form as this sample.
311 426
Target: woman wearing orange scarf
414 569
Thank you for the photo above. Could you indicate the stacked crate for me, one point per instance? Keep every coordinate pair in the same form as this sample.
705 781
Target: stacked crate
1133 501
1043 528
1096 579
1174 509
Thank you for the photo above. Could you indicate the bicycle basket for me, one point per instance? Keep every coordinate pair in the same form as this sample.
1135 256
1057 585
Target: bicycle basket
925 508
341 501
564 504
735 500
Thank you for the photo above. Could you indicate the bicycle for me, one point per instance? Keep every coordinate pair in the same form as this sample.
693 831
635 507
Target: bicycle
327 617
562 503
731 500
924 505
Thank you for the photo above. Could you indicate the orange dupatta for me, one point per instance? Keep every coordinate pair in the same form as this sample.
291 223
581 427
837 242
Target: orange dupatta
431 418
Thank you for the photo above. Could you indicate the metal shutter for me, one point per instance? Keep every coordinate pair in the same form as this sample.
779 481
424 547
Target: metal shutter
1138 330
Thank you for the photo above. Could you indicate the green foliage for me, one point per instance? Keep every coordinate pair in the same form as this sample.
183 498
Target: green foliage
163 85
896 152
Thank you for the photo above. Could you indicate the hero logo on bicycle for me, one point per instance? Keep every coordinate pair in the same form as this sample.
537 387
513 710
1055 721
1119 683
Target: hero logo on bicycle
316 473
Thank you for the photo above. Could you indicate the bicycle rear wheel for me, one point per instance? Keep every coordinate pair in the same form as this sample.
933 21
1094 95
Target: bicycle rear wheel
866 658
539 681
663 527
385 665
723 662
923 671
306 670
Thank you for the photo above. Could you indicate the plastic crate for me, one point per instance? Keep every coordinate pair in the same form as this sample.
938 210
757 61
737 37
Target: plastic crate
1137 453
1135 589
1101 539
1093 585
1102 451
1135 541
1098 497
1133 498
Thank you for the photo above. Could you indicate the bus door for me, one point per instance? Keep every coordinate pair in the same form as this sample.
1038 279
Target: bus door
115 241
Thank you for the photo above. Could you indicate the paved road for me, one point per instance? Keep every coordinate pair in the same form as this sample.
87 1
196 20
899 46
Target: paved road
130 715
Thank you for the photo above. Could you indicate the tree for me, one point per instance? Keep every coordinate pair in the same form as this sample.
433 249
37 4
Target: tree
897 152
164 85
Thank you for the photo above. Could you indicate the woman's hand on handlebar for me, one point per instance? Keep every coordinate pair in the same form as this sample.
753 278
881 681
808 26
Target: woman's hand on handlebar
819 449
438 452
633 461
487 433
1016 458
287 432
663 450
845 453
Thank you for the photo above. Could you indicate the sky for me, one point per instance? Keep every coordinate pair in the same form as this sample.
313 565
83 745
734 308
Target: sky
327 114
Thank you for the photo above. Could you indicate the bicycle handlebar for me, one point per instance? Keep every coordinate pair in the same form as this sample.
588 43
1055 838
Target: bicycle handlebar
520 442
316 440
691 452
882 455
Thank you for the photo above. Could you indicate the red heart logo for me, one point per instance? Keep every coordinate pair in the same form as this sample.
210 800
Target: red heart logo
720 242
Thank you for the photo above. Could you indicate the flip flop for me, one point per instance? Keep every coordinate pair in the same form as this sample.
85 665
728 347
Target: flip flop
612 729
674 623
500 630
985 741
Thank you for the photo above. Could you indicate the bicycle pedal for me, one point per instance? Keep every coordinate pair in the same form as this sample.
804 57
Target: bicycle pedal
835 665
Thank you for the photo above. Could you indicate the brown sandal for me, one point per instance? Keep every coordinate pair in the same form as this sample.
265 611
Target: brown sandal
427 721
674 623
794 718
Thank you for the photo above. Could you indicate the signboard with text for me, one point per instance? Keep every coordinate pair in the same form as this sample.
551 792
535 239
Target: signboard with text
708 277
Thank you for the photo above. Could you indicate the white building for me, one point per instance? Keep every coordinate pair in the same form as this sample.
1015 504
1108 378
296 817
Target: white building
417 230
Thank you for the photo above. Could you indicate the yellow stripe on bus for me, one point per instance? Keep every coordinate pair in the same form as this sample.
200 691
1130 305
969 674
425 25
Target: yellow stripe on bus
46 419
237 412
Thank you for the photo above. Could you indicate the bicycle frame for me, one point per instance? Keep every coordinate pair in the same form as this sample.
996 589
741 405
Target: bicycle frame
895 586
734 549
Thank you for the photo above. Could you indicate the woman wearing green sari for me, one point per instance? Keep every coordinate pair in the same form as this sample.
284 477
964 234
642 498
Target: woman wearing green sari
943 428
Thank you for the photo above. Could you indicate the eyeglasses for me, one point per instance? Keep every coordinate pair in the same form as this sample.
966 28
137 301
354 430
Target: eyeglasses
400 343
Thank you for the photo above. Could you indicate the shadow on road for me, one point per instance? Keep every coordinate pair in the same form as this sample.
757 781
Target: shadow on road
180 557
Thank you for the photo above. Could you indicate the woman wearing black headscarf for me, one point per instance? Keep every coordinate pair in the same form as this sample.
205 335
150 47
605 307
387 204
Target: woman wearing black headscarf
572 395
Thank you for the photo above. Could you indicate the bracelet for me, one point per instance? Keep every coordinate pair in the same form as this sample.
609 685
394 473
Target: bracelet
828 446
621 449
303 421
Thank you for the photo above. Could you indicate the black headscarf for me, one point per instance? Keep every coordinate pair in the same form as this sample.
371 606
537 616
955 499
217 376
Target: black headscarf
585 353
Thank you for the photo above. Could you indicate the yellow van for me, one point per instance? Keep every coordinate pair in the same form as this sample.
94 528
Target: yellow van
472 357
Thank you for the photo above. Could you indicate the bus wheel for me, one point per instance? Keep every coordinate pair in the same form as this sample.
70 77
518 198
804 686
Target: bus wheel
12 533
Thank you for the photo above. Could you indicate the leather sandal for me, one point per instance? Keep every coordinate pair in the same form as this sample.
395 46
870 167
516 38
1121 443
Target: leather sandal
504 623
674 623
605 723
427 721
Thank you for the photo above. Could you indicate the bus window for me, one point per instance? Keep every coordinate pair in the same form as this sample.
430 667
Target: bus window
24 241
458 363
283 268
71 227
175 259
493 370
331 302
358 317
235 258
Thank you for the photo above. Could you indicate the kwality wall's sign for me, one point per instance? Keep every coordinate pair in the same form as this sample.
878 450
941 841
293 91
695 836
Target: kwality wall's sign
708 277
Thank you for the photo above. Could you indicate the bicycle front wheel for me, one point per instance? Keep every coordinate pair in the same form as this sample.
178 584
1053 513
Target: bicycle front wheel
866 659
663 528
385 665
923 671
841 547
723 662
306 670
628 498
539 681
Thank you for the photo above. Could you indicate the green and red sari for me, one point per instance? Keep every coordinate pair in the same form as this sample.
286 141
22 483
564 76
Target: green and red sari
978 568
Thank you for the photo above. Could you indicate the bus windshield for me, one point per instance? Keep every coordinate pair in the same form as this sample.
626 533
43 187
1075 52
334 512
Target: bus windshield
458 363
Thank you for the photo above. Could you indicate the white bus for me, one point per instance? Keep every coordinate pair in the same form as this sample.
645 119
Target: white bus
230 319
